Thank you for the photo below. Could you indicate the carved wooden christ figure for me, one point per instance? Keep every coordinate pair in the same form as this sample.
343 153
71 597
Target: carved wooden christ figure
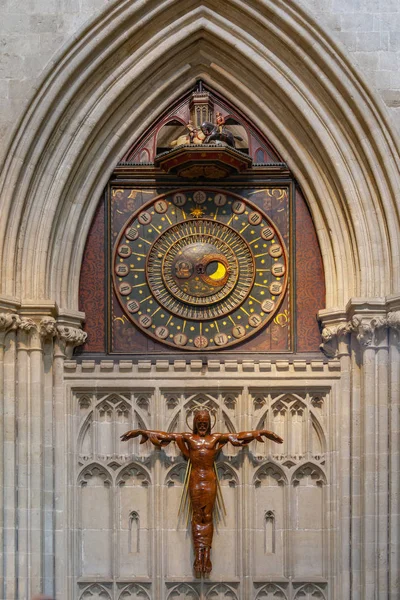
201 448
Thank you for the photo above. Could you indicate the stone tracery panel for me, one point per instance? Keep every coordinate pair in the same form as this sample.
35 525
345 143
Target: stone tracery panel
95 525
176 532
270 497
271 592
280 494
308 530
132 522
184 592
95 592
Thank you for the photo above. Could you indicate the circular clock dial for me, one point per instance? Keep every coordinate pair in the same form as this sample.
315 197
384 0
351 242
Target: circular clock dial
200 269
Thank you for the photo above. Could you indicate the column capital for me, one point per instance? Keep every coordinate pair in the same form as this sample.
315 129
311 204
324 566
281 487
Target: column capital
69 338
367 320
44 327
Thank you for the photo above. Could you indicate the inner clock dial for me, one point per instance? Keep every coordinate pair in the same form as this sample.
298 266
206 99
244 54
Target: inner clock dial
200 264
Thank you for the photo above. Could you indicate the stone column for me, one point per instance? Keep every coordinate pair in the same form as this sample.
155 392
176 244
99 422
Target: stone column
32 452
344 411
24 333
371 380
394 454
8 326
65 339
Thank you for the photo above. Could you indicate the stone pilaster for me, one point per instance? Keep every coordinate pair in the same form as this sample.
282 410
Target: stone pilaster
32 352
8 326
367 345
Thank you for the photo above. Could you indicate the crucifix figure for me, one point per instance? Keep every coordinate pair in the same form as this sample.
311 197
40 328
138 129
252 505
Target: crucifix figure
201 448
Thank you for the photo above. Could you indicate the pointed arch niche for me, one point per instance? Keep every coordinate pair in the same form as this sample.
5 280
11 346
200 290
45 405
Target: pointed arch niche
268 184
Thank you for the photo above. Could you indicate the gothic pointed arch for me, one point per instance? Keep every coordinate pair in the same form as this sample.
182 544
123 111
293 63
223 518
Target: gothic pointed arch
346 173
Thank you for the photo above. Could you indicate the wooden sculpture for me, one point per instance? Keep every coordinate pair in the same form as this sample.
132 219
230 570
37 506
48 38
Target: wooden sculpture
201 448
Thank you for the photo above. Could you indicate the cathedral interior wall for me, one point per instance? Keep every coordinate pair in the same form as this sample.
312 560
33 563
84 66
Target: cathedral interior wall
320 518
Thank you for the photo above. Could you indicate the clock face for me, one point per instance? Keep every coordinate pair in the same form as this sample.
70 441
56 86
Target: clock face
200 269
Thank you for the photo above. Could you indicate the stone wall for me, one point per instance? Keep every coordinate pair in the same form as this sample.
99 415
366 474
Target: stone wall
33 33
88 94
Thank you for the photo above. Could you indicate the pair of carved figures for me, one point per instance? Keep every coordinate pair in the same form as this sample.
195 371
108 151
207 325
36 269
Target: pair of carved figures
201 448
208 133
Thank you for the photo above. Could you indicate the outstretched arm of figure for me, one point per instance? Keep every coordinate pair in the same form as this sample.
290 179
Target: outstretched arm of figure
245 437
158 438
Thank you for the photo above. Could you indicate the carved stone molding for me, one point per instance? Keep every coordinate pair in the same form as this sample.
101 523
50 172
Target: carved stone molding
47 328
393 321
70 338
9 322
366 329
27 325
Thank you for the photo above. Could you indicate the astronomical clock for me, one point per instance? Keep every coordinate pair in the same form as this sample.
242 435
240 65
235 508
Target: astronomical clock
203 243
200 268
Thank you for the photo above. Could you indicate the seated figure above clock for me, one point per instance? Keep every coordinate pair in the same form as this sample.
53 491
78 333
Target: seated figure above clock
208 133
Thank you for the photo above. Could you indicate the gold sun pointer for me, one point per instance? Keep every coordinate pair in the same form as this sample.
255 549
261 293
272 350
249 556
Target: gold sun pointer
197 212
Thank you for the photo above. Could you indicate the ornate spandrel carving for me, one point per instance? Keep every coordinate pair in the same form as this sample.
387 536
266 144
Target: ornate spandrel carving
271 591
176 475
269 474
309 591
184 591
230 401
143 402
221 591
95 475
134 474
171 400
134 591
95 592
84 401
307 473
259 400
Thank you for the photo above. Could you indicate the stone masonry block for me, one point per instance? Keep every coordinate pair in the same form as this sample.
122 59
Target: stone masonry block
106 365
162 365
214 365
248 365
88 365
265 365
357 22
179 365
196 365
231 365
144 365
42 23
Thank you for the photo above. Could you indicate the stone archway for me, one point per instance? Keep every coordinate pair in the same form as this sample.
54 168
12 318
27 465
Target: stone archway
122 71
114 78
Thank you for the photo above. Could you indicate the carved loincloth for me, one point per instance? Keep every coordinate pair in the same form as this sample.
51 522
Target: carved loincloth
202 497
